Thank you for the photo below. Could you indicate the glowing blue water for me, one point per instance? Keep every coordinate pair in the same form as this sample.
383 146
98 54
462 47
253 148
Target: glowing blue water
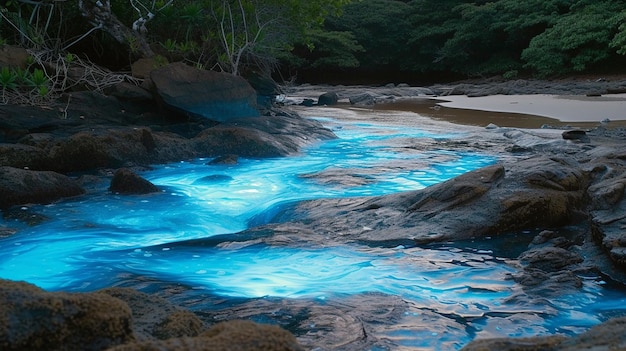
91 241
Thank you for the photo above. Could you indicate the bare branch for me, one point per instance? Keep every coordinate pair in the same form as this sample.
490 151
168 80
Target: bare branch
99 14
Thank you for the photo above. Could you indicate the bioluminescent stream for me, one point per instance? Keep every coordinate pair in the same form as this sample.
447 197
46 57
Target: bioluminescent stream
100 239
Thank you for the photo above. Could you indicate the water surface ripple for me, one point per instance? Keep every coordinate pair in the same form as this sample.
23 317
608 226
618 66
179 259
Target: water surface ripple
449 294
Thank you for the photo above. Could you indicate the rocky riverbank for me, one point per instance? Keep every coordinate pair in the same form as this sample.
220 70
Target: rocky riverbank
566 187
135 127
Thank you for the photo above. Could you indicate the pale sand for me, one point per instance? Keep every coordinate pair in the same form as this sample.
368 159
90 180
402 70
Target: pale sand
563 108
519 111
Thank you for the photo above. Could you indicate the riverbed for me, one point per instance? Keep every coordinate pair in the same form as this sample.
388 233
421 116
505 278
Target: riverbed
184 244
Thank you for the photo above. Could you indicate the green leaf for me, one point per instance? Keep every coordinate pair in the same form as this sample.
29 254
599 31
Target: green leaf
38 78
7 78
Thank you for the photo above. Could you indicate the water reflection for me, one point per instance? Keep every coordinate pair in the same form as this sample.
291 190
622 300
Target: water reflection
408 297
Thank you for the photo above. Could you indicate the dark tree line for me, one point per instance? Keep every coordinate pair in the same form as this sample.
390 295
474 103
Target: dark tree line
332 40
456 38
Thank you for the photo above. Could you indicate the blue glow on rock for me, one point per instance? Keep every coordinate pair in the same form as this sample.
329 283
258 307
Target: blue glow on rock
91 241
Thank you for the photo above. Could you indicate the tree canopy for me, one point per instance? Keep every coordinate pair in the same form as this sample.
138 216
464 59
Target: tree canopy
483 38
355 37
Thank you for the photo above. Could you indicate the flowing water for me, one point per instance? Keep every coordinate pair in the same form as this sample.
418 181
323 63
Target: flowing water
450 293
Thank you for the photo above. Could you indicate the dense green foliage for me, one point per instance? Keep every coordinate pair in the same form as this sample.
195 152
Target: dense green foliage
483 38
354 37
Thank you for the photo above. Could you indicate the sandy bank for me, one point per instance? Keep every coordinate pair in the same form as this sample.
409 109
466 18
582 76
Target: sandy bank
555 104
565 108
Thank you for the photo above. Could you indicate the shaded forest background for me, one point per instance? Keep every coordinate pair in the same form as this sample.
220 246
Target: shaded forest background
426 40
333 41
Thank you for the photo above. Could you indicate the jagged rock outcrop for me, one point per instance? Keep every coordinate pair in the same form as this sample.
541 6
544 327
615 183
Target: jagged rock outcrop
20 186
33 319
604 337
120 319
233 335
154 318
608 204
265 136
201 93
537 192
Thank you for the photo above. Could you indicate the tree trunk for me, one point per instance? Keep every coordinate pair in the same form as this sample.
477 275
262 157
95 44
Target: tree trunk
98 13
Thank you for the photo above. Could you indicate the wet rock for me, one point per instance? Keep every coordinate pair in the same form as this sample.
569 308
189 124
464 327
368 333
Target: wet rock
92 149
128 91
308 102
607 194
23 156
232 335
205 94
550 259
31 120
213 178
334 177
356 322
24 215
576 134
229 159
543 237
515 344
487 91
116 147
102 138
608 205
603 337
19 186
530 141
459 89
156 318
128 182
492 126
528 87
246 142
33 319
364 99
86 150
264 136
328 99
147 140
539 192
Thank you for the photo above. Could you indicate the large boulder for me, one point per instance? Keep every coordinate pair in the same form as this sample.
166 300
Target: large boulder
328 99
33 319
246 142
127 182
155 318
20 186
207 94
23 156
539 192
278 134
99 147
